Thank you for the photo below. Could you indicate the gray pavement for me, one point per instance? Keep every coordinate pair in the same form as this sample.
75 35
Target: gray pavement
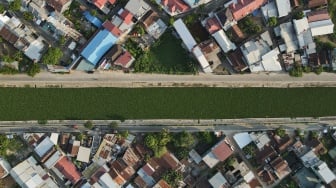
118 79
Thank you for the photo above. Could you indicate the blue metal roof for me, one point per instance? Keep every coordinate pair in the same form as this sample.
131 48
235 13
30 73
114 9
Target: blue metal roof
98 46
92 19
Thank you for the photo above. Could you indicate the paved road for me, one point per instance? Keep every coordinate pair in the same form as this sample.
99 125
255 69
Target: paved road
118 79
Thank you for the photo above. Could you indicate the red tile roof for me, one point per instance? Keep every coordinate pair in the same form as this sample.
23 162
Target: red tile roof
222 151
126 16
317 3
213 25
68 169
170 161
244 7
112 28
99 3
57 4
162 184
318 15
112 2
124 60
174 5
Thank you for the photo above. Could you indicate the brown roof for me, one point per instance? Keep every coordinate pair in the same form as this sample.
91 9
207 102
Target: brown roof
283 143
314 59
140 182
317 3
236 59
150 18
254 183
95 177
317 146
57 4
267 177
208 46
48 154
222 151
8 35
238 32
113 54
122 169
267 152
318 15
295 3
279 164
130 158
170 161
65 138
116 176
2 171
73 149
148 169
162 184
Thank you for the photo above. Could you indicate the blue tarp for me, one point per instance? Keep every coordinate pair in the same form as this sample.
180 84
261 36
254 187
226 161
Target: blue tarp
92 19
98 46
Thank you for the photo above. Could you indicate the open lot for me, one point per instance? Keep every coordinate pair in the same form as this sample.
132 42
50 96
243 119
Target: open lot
177 103
170 55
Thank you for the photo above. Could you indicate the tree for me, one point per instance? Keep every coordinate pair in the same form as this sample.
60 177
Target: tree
94 12
151 141
272 21
205 137
61 40
88 124
113 125
33 69
173 177
280 132
28 16
318 70
2 8
296 71
183 139
299 15
171 21
124 134
15 5
230 161
250 150
52 56
157 142
8 70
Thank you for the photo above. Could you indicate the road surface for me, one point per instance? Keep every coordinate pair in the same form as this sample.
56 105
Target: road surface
118 79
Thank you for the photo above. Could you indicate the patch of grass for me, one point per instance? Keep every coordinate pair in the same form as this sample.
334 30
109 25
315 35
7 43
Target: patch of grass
165 103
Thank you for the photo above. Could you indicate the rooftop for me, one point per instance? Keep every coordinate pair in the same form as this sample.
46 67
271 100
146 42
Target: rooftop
244 7
318 15
218 181
317 3
223 41
137 7
175 5
42 148
112 28
84 154
58 5
125 60
213 25
68 170
284 7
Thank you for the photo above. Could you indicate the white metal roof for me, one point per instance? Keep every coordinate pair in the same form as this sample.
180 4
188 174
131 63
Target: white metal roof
107 181
322 27
242 139
34 49
284 7
289 36
218 180
195 156
270 61
249 176
83 154
137 7
53 159
269 10
325 173
301 25
223 41
210 159
44 147
54 138
184 33
202 60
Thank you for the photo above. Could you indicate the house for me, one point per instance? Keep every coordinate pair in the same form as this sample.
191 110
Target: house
212 25
287 33
267 153
323 171
223 41
4 168
59 5
29 174
282 143
106 181
112 28
317 146
162 184
304 35
191 45
242 139
284 7
280 167
306 178
237 33
169 161
107 148
235 59
120 172
92 19
73 147
195 156
242 8
320 22
125 60
270 61
260 139
64 140
317 3
253 51
269 10
84 154
220 152
225 18
266 176
103 5
309 159
174 7
101 42
138 8
219 181
54 138
66 170
53 159
44 147
154 25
